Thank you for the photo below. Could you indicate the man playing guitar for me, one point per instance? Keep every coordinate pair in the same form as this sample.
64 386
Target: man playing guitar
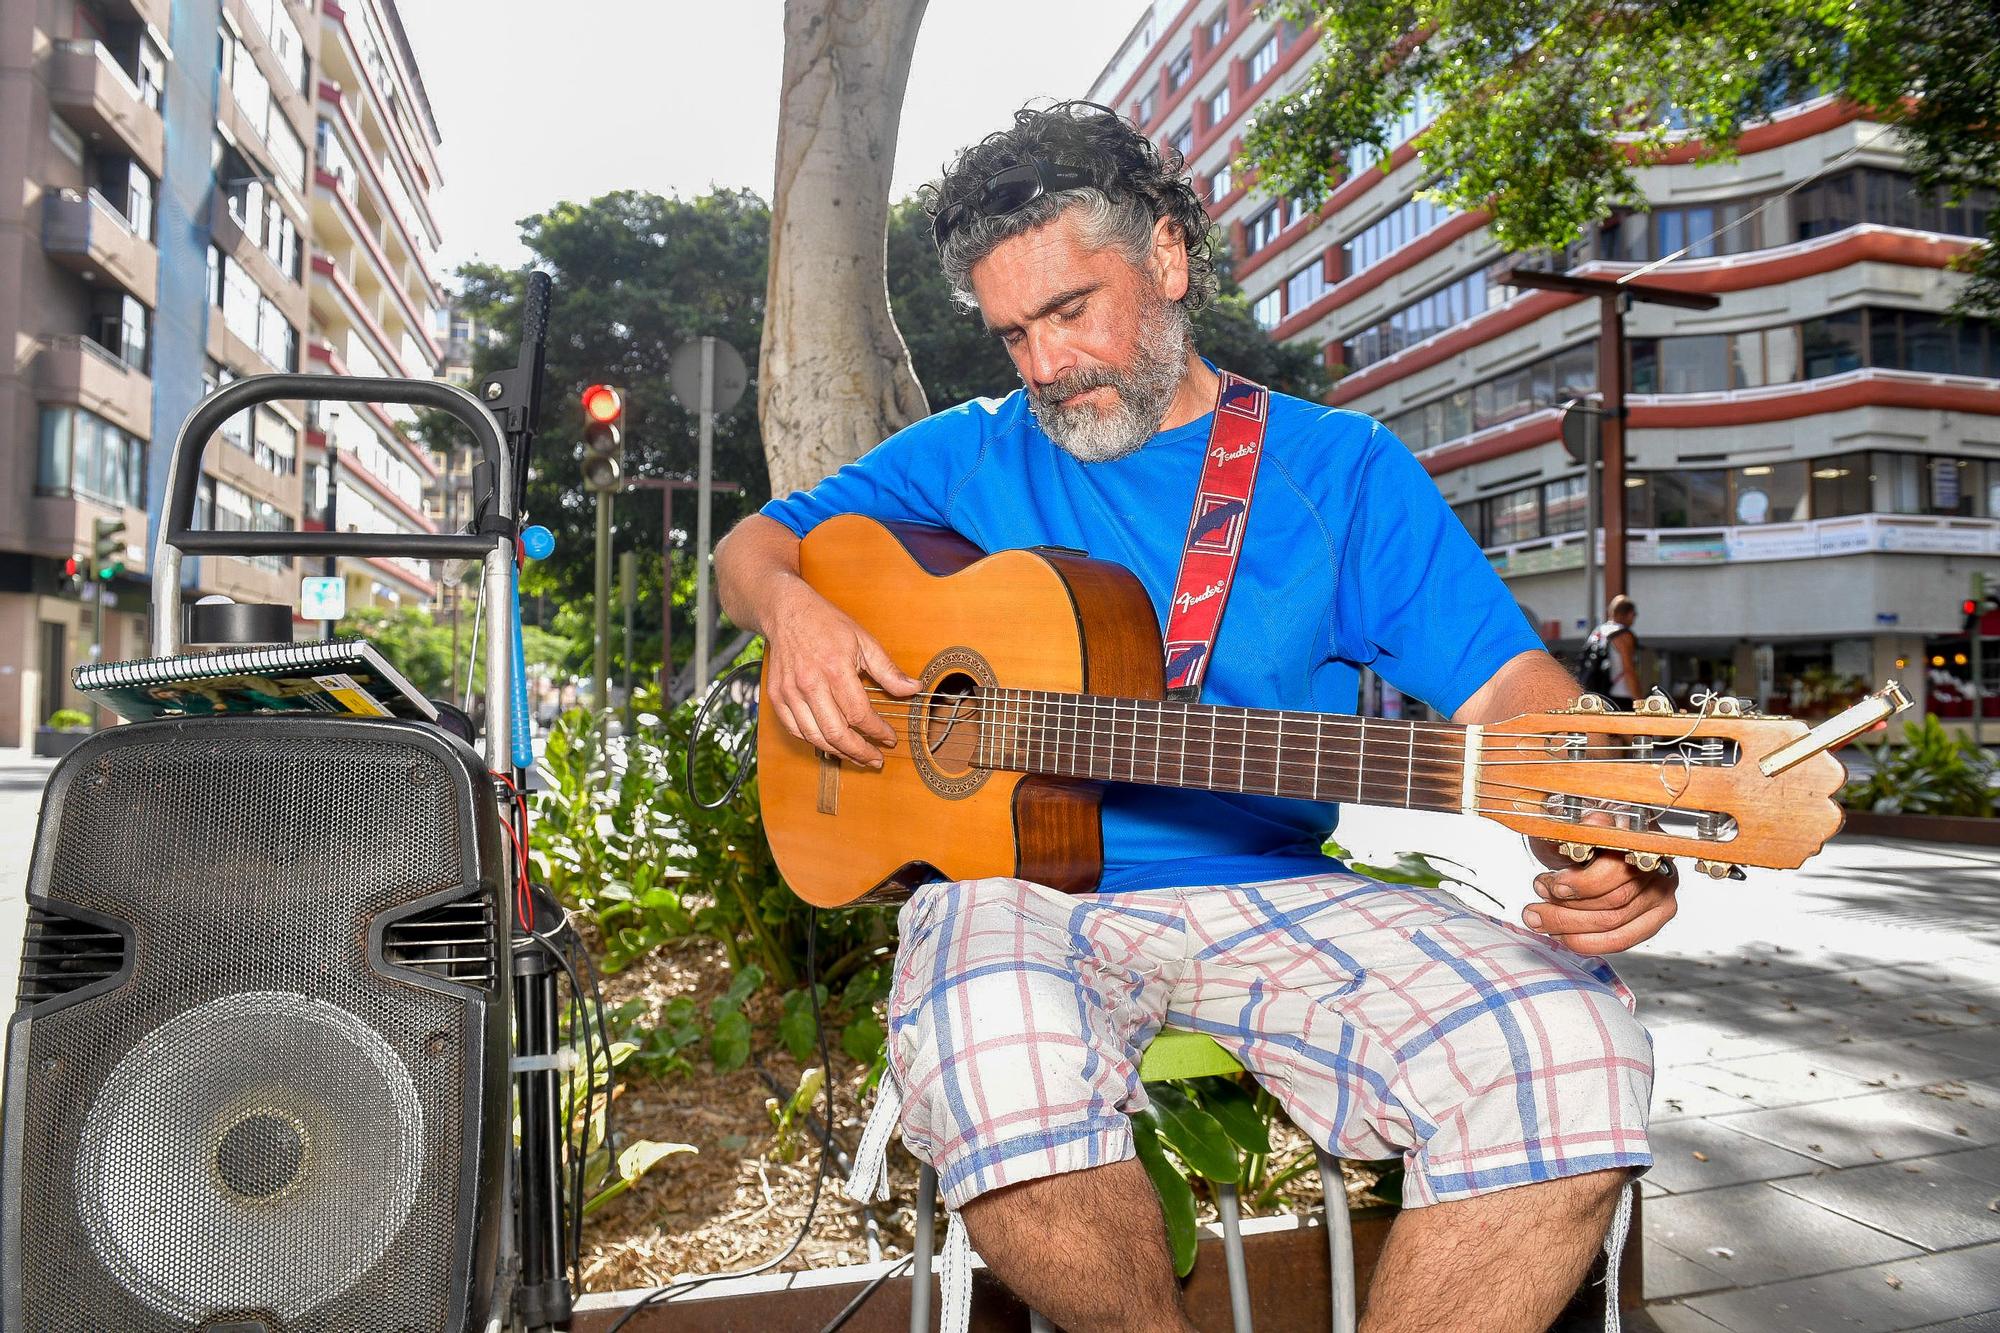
1503 1063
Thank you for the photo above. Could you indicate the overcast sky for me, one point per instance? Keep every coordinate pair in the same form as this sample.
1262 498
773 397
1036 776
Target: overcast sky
543 101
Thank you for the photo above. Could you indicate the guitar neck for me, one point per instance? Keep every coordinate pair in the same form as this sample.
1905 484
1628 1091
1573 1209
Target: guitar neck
1211 747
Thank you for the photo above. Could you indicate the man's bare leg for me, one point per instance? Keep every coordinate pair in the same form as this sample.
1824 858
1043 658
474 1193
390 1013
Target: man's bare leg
1505 1262
1086 1248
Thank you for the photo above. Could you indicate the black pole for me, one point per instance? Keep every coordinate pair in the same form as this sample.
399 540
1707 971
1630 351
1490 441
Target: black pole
331 566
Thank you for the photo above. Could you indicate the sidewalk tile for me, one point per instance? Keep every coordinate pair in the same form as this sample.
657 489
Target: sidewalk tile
1732 1158
1772 1236
1924 1201
1900 1062
1933 1289
1882 1126
1971 1043
1785 1078
1980 1163
1683 1093
1669 1273
1681 1319
1976 1323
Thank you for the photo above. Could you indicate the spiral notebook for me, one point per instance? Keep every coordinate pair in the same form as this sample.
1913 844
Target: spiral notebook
338 676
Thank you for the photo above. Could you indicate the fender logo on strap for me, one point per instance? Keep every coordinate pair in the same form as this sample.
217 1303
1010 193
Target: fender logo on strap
1215 532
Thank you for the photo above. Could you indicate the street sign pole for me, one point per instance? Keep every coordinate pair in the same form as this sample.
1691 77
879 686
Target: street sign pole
628 592
703 515
1978 690
600 675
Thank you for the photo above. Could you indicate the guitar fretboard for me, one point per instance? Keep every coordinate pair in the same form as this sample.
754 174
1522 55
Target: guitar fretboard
1212 747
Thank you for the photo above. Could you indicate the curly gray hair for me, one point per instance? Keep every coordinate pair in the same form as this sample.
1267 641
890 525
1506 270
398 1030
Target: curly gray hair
1133 185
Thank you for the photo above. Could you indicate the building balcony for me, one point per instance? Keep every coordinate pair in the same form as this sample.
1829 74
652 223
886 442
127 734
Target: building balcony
97 97
153 13
85 234
73 371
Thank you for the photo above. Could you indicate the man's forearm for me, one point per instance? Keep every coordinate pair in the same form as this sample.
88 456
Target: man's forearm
1529 682
755 565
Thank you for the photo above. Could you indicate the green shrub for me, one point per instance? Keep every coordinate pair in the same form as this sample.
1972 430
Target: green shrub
1930 773
69 719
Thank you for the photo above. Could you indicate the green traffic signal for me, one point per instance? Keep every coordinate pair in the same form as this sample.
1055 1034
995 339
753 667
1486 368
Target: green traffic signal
107 548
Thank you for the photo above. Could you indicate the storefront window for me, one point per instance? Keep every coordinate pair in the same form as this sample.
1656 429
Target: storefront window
1767 493
1840 485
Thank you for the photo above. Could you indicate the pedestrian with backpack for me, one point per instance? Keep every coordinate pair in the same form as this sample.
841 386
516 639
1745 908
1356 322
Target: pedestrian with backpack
1610 662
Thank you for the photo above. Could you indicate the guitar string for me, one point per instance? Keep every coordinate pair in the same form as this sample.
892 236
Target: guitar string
1077 707
1317 732
1490 788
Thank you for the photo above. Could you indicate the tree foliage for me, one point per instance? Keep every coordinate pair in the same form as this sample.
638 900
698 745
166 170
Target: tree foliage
1545 111
636 275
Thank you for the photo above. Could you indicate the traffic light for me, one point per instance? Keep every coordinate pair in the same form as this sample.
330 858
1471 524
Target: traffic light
107 548
1974 612
603 438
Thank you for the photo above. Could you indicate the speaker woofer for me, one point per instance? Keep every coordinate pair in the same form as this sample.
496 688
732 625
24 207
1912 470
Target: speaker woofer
261 1150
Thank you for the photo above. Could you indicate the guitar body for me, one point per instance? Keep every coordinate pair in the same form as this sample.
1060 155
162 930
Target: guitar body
958 621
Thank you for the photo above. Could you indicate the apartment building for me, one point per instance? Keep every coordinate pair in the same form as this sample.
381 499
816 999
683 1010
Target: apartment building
376 298
1814 464
183 169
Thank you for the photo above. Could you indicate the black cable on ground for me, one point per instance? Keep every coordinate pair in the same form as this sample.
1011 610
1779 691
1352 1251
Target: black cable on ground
659 1294
861 1297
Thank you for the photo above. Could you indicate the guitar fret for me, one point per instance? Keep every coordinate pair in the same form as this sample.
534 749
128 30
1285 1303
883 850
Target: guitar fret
1361 761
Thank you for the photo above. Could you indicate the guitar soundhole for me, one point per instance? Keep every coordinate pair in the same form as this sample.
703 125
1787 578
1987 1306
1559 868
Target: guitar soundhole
945 722
951 723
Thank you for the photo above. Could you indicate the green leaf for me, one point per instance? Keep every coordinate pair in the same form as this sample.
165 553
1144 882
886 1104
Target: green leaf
862 1039
1196 1137
796 1028
729 1042
741 988
1236 1110
634 1162
1176 1196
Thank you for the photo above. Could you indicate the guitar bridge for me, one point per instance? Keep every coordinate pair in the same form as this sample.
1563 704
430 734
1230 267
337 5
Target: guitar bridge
829 783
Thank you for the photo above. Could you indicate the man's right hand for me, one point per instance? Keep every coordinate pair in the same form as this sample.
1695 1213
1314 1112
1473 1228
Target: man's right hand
816 658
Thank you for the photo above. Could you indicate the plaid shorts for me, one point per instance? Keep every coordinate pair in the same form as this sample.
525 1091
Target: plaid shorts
1386 1019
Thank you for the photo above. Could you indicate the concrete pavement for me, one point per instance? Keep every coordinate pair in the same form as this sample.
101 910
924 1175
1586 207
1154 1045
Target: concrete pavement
1827 1107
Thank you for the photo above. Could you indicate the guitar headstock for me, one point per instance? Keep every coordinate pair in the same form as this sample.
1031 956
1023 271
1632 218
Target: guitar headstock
1721 784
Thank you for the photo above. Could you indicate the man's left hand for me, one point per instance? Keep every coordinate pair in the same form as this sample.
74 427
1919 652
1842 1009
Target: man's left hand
1602 906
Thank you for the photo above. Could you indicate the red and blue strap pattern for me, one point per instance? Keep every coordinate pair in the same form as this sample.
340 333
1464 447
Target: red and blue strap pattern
1215 532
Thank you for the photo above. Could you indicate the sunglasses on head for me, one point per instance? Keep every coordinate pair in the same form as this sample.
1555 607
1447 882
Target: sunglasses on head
1006 191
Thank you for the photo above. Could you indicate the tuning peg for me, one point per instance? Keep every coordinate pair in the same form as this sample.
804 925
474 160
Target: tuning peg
1719 869
1590 703
1578 852
1655 705
1645 861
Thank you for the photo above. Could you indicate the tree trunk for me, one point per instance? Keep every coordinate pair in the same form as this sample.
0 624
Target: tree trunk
835 377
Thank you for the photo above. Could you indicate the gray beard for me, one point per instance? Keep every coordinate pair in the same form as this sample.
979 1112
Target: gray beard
1145 391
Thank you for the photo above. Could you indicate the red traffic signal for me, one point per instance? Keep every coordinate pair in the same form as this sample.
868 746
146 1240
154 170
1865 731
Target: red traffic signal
72 567
1969 606
603 404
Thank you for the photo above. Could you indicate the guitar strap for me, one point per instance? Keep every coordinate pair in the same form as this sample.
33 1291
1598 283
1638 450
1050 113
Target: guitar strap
1215 533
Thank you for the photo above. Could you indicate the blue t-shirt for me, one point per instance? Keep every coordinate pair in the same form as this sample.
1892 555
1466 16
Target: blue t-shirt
1351 558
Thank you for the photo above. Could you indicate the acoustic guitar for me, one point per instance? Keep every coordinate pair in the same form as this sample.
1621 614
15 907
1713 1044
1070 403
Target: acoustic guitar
1041 677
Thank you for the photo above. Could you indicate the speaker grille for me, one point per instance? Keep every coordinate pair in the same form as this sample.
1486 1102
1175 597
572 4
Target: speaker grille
60 954
257 1125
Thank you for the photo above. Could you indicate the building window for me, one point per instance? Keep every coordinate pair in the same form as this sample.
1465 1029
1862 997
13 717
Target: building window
1269 309
1219 184
1143 114
1431 314
1767 493
86 457
1888 198
1264 59
1306 286
1515 516
1391 232
67 141
1544 383
1216 31
1563 503
122 326
1179 68
1215 107
127 187
1262 229
1395 132
1182 140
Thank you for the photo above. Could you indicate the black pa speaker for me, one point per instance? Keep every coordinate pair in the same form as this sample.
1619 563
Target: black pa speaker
257 1076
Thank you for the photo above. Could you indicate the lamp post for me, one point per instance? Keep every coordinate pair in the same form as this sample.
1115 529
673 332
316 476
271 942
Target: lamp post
1614 296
